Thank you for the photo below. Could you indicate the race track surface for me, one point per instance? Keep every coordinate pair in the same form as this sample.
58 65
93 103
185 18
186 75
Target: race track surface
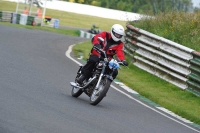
35 94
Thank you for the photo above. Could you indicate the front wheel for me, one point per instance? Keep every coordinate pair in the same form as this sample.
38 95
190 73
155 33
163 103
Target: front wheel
99 93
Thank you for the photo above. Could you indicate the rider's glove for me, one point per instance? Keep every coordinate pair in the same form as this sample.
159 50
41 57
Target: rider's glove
125 63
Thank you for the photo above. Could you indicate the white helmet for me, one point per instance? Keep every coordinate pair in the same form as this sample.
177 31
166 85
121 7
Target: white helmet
117 32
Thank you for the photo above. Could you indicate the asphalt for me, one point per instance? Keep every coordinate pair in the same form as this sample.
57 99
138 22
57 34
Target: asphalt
35 94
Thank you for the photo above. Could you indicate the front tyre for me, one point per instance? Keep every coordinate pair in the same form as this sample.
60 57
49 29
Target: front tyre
99 93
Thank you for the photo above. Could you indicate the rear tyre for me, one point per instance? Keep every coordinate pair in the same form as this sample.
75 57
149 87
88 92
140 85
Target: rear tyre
99 93
76 92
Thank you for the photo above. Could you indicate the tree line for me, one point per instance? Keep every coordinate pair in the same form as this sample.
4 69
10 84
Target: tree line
141 6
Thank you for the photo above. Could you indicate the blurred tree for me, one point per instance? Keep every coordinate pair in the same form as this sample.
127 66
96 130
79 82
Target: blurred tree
141 6
80 1
95 3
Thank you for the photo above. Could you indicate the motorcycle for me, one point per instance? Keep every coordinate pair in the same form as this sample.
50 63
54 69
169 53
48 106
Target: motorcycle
99 83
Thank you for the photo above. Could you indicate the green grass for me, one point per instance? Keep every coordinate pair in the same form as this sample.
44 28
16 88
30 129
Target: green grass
167 95
181 102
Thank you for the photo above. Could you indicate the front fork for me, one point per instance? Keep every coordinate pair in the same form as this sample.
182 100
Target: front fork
100 77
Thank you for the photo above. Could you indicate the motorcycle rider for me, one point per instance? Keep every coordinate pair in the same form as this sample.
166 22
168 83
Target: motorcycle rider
112 45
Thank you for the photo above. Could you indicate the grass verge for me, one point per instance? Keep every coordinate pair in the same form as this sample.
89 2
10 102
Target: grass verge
182 103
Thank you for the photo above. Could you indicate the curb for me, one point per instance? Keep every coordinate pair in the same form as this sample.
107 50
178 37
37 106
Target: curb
84 34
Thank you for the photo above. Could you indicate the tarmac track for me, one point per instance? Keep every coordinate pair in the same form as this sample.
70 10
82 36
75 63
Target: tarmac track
35 94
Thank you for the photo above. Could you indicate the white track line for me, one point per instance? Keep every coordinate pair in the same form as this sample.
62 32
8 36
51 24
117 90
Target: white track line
68 55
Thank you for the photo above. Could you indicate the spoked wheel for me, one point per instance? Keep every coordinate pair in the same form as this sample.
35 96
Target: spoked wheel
99 93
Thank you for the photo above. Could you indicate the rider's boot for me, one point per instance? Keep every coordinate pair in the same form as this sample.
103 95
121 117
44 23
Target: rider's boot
81 79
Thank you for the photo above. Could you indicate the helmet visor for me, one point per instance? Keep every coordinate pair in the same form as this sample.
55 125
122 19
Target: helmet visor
117 35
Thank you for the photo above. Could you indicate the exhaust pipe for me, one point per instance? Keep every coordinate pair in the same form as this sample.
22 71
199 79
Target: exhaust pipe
73 84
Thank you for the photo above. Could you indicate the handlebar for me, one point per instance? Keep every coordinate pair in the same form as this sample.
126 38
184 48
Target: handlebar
100 50
121 63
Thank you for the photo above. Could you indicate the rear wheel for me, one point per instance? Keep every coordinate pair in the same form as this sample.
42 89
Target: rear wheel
76 92
99 93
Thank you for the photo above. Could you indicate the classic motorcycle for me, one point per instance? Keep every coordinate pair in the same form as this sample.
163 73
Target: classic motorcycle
99 83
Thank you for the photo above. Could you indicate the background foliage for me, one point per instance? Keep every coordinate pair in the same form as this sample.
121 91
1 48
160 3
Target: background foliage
180 27
141 6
